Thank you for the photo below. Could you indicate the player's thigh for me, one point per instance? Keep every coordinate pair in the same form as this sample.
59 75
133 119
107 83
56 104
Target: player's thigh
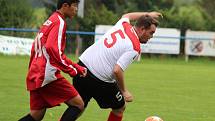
59 91
37 102
83 86
108 95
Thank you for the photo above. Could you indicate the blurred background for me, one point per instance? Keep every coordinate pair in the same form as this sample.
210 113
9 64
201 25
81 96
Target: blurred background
192 19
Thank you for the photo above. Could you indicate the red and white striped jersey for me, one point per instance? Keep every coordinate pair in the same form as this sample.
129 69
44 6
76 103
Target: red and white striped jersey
47 54
120 45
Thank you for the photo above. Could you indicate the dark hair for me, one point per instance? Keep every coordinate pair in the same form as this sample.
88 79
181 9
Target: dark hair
61 2
146 21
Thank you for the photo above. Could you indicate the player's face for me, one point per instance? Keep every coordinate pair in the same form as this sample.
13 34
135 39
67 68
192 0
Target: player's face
72 10
147 34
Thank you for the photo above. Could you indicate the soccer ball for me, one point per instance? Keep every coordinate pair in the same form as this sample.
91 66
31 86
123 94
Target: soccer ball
153 118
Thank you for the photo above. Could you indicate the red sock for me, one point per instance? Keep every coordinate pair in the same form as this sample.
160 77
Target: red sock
113 117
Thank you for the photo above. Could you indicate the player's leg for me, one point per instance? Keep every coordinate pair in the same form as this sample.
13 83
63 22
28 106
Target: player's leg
75 107
77 104
63 91
35 115
38 114
118 106
37 107
108 95
116 114
27 118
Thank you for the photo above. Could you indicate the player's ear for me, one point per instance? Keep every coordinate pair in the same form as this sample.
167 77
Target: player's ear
142 28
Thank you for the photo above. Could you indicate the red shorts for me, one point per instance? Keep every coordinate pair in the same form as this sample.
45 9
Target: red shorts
52 94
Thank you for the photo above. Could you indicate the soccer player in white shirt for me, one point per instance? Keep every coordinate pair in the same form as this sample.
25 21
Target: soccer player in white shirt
107 59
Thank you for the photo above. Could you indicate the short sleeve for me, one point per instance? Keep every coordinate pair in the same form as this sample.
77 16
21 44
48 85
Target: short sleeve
122 20
127 58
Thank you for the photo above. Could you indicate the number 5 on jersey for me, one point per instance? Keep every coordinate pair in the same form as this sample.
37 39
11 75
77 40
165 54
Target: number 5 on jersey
114 39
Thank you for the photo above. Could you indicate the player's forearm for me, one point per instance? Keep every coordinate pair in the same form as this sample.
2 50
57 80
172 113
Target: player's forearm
72 65
118 72
137 15
134 15
60 61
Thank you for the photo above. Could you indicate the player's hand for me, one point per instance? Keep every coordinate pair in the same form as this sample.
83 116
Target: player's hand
81 70
155 14
84 73
127 96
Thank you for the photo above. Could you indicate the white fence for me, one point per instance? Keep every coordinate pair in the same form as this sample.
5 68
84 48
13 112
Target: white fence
202 45
15 45
165 41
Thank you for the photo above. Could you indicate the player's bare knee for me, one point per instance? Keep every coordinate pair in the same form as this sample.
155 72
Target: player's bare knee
77 102
80 106
119 111
38 114
122 109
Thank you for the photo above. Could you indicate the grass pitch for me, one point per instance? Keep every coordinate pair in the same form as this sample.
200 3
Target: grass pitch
170 88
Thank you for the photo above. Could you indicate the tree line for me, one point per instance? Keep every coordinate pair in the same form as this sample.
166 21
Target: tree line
183 14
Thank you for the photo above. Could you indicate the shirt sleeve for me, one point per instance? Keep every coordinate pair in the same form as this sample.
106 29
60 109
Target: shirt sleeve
127 58
55 46
122 20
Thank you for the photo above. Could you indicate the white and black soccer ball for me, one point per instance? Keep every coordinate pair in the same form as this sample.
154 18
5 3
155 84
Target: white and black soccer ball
153 118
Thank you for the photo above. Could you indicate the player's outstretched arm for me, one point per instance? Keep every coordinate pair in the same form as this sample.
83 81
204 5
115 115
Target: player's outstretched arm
136 15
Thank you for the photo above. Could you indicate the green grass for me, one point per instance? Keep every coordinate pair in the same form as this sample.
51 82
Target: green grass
168 87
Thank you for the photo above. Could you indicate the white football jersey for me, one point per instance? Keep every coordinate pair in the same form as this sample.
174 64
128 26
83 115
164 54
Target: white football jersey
120 45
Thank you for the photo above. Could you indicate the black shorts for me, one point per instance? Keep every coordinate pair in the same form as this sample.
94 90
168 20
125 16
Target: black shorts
107 95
